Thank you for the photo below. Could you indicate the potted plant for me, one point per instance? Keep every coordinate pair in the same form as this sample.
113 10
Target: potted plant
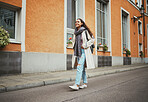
4 37
128 53
69 43
141 54
100 47
105 47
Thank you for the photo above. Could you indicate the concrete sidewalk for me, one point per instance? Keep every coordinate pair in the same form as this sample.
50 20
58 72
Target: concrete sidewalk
22 81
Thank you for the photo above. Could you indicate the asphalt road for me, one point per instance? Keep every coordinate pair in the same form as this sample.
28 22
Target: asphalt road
131 86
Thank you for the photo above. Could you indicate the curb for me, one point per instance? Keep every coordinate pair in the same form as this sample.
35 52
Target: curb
2 89
24 86
50 82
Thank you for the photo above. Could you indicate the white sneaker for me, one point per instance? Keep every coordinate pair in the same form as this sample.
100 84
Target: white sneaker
74 87
83 86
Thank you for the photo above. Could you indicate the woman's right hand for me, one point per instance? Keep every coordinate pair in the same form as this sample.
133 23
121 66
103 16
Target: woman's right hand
82 47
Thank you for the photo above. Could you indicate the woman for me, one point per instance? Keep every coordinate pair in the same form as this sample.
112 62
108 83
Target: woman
82 52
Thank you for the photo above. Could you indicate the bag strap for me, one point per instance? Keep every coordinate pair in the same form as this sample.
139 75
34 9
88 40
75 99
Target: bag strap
86 35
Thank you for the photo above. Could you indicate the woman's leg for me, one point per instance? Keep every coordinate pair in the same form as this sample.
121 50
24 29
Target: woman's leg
84 77
80 67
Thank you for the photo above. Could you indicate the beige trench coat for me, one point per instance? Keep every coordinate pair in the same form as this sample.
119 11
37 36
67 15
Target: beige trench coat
86 45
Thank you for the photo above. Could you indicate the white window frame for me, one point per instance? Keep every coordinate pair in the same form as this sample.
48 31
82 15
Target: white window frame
17 36
81 15
80 12
140 27
105 23
108 30
128 30
22 20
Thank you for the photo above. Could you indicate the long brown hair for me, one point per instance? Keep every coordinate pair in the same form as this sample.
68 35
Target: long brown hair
84 25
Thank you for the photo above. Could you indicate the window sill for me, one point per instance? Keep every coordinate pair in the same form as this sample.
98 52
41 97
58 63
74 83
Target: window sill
102 51
69 47
15 42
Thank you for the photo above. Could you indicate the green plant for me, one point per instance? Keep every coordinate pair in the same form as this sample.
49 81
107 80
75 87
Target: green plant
4 37
127 52
105 47
141 54
69 41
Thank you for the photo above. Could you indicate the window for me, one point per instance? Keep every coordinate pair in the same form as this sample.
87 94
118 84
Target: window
71 17
139 3
140 47
124 30
71 13
139 27
7 20
102 22
74 11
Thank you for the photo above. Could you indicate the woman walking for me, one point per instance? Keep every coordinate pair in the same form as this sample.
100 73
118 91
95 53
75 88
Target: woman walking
82 40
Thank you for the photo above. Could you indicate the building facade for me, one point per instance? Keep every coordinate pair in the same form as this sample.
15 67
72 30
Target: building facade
40 31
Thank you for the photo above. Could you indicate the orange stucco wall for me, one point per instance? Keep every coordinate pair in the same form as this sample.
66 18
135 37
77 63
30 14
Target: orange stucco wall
116 27
12 46
90 15
134 38
146 37
140 38
44 26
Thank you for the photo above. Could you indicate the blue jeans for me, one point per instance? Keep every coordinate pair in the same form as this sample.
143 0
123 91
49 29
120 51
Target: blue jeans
81 69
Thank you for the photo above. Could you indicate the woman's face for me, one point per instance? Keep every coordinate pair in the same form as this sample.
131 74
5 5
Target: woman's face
78 23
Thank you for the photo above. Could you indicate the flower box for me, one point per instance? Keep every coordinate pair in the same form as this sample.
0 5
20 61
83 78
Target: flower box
69 45
100 48
124 52
103 48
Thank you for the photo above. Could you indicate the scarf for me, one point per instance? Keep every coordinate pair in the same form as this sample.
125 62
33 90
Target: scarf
77 46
